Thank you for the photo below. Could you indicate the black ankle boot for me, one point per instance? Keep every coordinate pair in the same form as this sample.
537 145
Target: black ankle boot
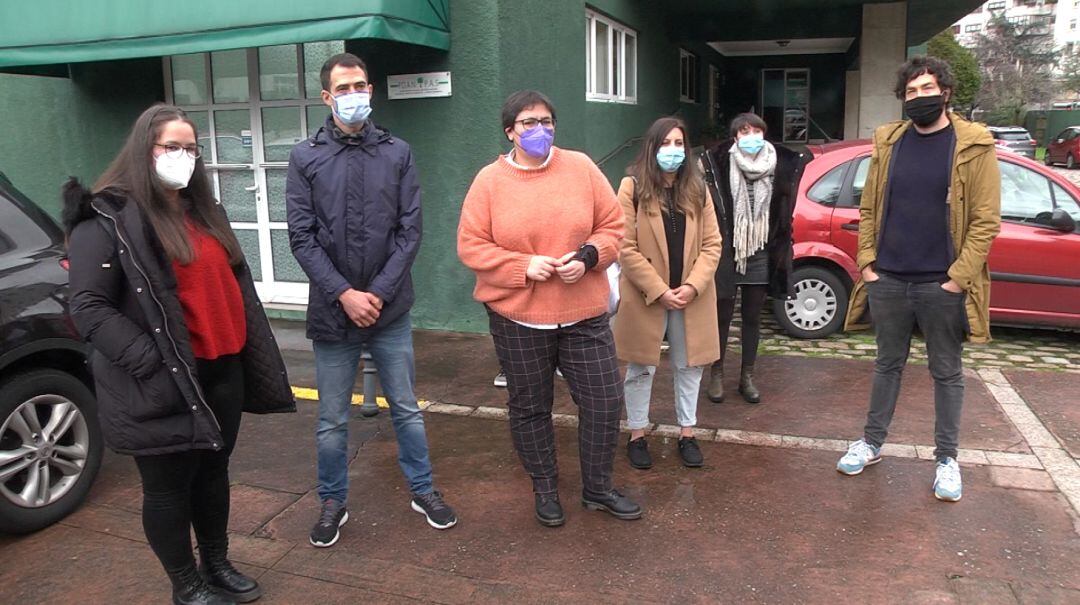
220 573
189 588
612 502
548 510
747 389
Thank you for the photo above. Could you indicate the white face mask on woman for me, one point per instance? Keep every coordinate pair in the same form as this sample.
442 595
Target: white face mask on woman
174 173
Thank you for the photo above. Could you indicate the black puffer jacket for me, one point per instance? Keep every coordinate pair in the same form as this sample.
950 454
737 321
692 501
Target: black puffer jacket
124 303
789 168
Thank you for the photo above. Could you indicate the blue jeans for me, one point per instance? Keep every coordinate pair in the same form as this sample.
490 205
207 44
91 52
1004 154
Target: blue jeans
639 379
335 374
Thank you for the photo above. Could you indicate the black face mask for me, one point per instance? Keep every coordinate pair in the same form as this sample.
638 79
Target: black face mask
924 111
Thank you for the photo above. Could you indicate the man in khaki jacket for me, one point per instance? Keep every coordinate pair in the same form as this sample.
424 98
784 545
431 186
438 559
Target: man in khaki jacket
930 210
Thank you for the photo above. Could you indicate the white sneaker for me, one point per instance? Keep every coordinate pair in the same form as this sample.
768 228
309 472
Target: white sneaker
500 380
860 455
947 484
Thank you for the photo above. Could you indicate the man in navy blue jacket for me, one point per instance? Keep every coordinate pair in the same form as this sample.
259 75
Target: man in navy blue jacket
353 205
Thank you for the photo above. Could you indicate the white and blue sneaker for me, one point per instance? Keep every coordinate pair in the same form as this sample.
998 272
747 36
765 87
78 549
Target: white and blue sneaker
860 455
947 485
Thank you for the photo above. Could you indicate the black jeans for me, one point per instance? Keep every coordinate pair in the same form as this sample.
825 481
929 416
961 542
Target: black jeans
897 307
191 489
753 301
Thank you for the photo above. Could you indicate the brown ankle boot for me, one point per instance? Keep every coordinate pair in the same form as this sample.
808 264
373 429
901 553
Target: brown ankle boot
746 385
715 391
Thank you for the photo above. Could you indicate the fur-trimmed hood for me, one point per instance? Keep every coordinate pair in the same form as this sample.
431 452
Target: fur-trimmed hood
77 199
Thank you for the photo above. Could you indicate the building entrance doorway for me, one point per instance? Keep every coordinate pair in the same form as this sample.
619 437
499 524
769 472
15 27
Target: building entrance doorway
251 106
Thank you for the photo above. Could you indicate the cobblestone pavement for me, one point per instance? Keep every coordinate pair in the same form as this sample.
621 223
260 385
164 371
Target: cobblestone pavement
1011 347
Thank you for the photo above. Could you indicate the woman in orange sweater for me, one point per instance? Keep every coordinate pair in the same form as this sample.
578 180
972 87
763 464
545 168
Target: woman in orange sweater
538 227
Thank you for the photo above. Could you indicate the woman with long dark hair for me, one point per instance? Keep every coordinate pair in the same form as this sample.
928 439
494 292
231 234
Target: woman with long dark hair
754 185
669 255
179 343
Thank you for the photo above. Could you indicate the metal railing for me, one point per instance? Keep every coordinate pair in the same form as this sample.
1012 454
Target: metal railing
614 152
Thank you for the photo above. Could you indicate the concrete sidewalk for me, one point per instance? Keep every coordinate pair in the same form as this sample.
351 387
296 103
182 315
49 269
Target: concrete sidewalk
766 520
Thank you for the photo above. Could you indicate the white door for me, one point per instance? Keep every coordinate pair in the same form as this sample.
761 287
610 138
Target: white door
251 106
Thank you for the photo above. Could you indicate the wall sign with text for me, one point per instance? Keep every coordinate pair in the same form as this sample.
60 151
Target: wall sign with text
418 86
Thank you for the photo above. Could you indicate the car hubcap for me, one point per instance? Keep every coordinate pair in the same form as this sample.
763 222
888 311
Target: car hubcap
813 307
43 449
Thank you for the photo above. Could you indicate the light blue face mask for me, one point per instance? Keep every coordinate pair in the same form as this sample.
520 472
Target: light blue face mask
670 158
752 143
353 108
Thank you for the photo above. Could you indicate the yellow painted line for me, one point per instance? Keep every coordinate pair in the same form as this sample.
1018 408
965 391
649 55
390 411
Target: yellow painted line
309 394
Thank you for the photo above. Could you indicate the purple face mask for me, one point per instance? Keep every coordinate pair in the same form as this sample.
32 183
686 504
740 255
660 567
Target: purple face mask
537 141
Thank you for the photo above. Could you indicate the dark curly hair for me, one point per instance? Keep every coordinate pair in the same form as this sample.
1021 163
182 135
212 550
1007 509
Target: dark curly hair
919 65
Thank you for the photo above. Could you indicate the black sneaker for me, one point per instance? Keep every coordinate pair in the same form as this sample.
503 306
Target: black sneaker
612 502
431 505
548 510
690 452
327 531
638 452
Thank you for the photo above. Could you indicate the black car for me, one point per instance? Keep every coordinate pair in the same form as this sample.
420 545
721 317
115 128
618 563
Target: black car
50 441
1015 139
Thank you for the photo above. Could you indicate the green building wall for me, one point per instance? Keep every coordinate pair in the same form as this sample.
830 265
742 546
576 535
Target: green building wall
495 50
56 127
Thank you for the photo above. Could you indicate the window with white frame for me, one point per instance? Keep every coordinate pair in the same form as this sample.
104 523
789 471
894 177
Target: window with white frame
610 60
973 27
688 77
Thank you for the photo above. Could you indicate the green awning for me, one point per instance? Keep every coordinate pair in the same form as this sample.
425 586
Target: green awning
45 32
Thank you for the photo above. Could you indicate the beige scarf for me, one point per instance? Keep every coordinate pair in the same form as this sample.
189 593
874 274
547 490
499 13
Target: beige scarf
750 231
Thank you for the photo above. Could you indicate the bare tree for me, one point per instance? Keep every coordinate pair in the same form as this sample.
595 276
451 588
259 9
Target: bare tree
1017 60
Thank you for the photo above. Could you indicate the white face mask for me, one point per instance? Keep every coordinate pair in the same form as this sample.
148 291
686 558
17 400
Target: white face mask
174 173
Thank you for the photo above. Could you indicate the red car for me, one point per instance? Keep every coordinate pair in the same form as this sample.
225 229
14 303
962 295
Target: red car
1034 262
1064 148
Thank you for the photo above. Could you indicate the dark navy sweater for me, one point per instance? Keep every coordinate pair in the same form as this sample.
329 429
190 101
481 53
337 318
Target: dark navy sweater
914 241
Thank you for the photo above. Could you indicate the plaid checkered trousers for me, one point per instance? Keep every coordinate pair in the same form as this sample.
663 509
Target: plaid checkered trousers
585 354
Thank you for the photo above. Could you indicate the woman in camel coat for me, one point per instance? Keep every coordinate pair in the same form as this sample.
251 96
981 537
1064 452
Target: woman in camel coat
670 252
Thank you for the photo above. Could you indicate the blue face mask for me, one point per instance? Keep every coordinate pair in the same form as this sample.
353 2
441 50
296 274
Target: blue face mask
353 108
752 143
670 158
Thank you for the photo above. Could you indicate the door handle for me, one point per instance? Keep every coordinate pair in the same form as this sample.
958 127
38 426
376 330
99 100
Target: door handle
850 226
253 188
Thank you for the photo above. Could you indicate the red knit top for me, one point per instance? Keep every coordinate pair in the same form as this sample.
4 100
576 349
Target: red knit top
210 297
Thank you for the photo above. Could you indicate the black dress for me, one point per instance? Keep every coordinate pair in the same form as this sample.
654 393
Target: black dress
757 266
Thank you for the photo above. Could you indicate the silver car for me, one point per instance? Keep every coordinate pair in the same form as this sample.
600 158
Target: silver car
1015 139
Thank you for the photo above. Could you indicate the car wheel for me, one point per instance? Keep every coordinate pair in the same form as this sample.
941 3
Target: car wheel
818 307
1070 162
50 448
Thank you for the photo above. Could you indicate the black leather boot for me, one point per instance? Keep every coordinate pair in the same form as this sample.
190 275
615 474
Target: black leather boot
220 573
747 389
189 588
715 390
612 502
548 510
